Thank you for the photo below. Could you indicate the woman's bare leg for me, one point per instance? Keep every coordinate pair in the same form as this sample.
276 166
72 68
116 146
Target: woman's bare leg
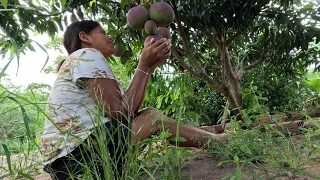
150 121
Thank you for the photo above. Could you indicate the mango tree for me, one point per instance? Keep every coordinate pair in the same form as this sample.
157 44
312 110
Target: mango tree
216 41
221 40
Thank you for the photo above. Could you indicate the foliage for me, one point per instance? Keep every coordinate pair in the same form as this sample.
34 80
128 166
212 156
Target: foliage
255 51
170 92
278 92
33 101
12 121
265 151
18 17
242 35
262 147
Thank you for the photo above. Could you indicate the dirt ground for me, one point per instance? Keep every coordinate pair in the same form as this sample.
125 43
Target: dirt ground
204 167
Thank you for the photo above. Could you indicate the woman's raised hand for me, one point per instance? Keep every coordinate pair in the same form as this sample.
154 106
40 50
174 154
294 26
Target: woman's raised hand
155 53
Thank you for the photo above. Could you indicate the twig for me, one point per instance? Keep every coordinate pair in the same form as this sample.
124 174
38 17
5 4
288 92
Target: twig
201 75
183 64
256 63
185 41
214 42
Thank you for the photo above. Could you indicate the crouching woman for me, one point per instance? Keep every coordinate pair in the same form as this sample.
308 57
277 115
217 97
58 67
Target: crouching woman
87 105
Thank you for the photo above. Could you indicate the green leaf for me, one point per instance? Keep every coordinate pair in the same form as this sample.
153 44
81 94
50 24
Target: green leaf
63 3
25 117
238 173
174 96
236 158
25 45
2 10
4 3
7 152
263 98
308 6
123 3
159 101
193 114
178 139
2 73
25 175
43 49
315 84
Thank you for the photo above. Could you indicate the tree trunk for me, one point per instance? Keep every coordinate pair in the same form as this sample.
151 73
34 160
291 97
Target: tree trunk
225 115
233 91
234 101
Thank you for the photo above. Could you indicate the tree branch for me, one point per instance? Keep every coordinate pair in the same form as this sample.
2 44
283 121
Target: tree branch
185 41
182 63
235 95
256 63
201 75
180 50
225 61
211 38
235 36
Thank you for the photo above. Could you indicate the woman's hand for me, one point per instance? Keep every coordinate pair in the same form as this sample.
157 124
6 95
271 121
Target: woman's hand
155 53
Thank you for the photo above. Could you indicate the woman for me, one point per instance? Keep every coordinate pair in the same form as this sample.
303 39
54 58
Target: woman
86 98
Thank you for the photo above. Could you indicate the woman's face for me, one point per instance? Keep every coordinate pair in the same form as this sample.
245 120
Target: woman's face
101 41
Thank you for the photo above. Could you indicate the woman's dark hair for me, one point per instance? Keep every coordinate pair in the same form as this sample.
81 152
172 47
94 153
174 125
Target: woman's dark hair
71 40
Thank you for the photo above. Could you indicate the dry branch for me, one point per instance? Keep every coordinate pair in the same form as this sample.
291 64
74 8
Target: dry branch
291 122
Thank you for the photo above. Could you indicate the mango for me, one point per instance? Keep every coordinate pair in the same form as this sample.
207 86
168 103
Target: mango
150 27
164 32
161 13
120 49
155 37
137 17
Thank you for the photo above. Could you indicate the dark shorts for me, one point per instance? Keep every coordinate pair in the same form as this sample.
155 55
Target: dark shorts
91 158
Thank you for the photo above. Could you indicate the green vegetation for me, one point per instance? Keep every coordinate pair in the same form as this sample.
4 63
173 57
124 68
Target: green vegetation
232 61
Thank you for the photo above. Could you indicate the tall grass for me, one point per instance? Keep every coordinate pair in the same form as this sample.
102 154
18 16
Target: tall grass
161 161
262 148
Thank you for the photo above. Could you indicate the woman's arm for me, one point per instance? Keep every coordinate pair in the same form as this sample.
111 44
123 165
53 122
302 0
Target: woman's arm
117 106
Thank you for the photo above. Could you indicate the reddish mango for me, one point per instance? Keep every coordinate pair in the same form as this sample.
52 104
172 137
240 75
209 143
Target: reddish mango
164 32
150 27
155 37
161 13
137 17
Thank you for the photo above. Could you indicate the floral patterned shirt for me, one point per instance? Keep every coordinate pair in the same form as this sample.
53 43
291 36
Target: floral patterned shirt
71 111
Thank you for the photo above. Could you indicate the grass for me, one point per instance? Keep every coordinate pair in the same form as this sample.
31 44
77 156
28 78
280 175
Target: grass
162 161
272 151
155 158
261 152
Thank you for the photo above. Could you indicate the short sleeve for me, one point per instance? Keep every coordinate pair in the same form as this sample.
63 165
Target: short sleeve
91 64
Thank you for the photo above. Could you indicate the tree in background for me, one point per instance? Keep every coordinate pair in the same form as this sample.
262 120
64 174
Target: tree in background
224 39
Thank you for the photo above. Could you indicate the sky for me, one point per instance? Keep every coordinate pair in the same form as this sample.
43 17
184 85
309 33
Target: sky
31 64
